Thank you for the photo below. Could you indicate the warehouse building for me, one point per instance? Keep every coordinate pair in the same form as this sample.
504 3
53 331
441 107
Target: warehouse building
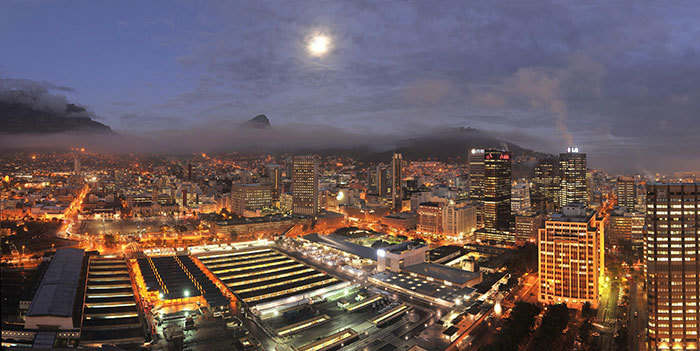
110 312
263 277
176 281
56 310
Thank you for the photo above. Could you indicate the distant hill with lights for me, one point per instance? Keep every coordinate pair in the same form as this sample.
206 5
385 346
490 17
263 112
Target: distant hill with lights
452 145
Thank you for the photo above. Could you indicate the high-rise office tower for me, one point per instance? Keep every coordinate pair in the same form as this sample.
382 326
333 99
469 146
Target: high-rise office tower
672 265
76 166
572 170
274 173
476 174
625 192
571 257
476 182
396 179
626 228
520 198
305 185
379 181
497 184
546 179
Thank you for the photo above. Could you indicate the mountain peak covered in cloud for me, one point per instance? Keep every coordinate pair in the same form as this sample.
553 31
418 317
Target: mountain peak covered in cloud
27 107
257 122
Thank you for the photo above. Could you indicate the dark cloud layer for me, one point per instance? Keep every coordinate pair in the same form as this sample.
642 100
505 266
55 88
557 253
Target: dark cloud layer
617 79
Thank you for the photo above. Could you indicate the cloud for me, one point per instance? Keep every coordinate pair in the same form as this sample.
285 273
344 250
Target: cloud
618 79
36 94
428 91
545 88
220 138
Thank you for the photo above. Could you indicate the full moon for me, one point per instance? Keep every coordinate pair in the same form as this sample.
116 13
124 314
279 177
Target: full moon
319 45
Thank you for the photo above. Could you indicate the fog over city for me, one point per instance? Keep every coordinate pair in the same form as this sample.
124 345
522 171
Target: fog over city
618 80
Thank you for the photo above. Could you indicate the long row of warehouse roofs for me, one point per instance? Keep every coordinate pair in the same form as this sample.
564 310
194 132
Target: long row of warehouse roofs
263 278
81 299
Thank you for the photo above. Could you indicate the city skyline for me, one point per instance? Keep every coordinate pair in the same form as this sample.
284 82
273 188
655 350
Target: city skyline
350 175
604 78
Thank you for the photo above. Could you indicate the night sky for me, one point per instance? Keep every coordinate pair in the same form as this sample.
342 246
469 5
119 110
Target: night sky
621 81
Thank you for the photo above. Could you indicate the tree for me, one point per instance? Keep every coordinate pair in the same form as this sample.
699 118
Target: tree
553 323
516 327
587 310
524 260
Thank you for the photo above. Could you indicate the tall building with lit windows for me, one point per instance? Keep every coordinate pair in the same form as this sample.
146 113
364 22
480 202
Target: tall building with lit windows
476 182
572 172
274 173
571 256
672 266
305 185
625 192
546 179
247 200
476 174
396 182
497 190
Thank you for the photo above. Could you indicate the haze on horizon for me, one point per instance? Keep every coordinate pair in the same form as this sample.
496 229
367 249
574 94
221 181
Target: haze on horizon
619 80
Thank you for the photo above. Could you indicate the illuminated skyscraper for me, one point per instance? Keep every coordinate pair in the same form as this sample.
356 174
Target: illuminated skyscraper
497 189
305 185
379 181
572 170
546 179
520 198
625 192
571 257
274 172
396 179
626 228
672 272
476 174
76 166
476 182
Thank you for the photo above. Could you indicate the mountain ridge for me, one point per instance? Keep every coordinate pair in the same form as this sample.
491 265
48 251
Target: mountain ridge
21 118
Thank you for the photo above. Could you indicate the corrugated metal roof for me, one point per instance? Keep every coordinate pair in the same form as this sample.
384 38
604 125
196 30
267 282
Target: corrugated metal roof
338 242
56 294
438 271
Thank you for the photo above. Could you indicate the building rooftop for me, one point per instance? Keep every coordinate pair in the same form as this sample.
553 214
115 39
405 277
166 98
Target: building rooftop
576 214
404 246
443 251
424 287
401 215
431 204
56 293
441 272
338 242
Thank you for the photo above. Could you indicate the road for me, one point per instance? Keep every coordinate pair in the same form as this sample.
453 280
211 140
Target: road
637 325
607 312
